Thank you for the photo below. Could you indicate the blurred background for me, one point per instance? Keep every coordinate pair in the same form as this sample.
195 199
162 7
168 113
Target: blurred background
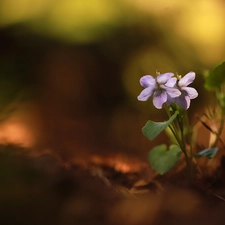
70 69
69 81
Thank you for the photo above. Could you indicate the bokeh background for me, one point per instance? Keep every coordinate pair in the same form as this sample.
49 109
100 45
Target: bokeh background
70 69
69 81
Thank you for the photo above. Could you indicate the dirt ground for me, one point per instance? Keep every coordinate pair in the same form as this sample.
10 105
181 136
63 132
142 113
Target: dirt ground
110 190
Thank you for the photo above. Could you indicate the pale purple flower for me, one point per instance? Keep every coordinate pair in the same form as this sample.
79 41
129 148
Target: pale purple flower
160 87
187 93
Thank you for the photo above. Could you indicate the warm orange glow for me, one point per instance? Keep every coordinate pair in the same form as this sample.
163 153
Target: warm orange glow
121 163
22 128
14 131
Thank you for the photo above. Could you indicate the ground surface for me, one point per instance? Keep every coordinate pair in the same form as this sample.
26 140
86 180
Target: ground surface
112 189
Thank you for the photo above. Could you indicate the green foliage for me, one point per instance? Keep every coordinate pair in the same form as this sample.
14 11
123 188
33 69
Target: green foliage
162 159
209 153
153 129
216 77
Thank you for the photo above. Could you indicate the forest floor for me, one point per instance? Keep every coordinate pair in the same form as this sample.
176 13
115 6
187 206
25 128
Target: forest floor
104 190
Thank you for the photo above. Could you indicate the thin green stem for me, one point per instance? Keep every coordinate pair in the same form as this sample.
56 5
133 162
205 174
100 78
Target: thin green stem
189 133
177 128
175 135
173 125
193 165
220 130
188 158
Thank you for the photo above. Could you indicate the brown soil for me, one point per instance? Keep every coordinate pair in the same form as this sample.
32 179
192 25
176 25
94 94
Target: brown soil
112 189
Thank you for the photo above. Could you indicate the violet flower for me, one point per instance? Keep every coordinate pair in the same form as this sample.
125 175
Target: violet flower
187 93
160 87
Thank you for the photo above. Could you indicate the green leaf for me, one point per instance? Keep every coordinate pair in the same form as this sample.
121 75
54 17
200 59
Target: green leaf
153 129
209 153
216 77
162 160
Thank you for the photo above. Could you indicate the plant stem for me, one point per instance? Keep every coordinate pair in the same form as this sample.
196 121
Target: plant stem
173 126
220 130
179 135
189 137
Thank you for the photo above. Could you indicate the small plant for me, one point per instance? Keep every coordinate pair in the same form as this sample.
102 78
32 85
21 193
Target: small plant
172 92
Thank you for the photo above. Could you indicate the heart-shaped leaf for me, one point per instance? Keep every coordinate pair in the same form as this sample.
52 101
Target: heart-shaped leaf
162 159
216 77
153 129
209 153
